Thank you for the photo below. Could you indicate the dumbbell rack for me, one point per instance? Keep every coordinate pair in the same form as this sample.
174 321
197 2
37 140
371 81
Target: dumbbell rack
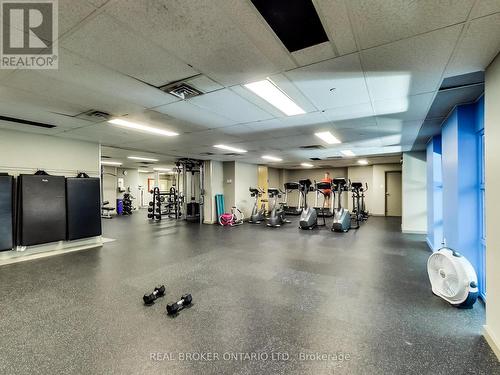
155 211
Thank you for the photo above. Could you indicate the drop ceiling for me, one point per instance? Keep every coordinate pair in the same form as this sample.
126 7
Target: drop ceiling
371 84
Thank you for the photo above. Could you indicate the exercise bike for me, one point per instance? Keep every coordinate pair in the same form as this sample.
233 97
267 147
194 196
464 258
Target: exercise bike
341 216
258 215
236 217
277 214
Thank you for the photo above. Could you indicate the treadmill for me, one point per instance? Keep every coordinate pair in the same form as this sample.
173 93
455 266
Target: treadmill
323 211
290 209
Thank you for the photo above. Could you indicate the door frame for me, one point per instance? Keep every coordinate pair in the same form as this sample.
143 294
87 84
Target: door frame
385 188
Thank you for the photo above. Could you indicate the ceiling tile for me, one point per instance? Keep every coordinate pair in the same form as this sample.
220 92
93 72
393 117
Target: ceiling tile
229 104
103 133
313 54
349 112
187 111
200 33
15 96
60 91
382 21
407 108
361 122
343 75
335 19
72 12
484 8
109 42
478 47
409 67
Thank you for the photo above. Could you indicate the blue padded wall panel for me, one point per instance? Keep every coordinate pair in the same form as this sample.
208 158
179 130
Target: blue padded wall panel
460 182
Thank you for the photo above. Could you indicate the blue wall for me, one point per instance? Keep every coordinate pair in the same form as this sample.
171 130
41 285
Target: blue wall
434 194
453 189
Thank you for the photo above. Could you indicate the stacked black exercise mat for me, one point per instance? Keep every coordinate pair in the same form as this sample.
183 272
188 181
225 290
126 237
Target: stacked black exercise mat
6 212
48 209
83 207
41 202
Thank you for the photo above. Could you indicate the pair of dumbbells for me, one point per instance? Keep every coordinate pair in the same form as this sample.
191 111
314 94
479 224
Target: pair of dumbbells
173 307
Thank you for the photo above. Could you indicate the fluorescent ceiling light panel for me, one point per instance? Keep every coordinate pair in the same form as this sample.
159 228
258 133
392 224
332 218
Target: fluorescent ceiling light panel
229 148
272 94
347 153
363 161
162 169
140 127
271 158
141 158
327 137
105 162
307 165
143 171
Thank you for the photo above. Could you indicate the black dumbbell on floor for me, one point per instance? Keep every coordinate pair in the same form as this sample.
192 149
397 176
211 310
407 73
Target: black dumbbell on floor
150 298
174 307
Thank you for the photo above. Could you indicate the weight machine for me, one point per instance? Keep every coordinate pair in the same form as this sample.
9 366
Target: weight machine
190 174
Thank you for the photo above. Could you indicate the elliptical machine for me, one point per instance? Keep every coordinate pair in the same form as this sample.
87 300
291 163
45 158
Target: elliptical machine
277 213
341 216
258 215
356 215
309 215
364 212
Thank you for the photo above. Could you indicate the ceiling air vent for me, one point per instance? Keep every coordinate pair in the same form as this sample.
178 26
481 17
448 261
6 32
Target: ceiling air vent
232 154
94 115
207 153
334 157
181 90
26 122
105 157
314 159
312 147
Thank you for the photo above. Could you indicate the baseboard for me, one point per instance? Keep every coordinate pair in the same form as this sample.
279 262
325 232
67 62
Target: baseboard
51 249
429 244
413 231
492 341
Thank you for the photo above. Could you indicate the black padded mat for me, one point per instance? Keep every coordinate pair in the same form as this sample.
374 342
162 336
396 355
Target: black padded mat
83 197
42 209
6 209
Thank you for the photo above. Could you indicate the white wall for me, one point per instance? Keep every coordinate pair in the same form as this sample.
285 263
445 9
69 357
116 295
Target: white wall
377 193
414 191
22 152
110 186
492 158
132 183
143 182
214 184
246 175
273 176
229 183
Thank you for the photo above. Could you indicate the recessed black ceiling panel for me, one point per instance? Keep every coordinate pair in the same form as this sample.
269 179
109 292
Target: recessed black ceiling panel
295 22
26 122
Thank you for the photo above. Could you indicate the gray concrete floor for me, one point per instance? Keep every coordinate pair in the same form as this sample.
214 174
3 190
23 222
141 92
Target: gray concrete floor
362 298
